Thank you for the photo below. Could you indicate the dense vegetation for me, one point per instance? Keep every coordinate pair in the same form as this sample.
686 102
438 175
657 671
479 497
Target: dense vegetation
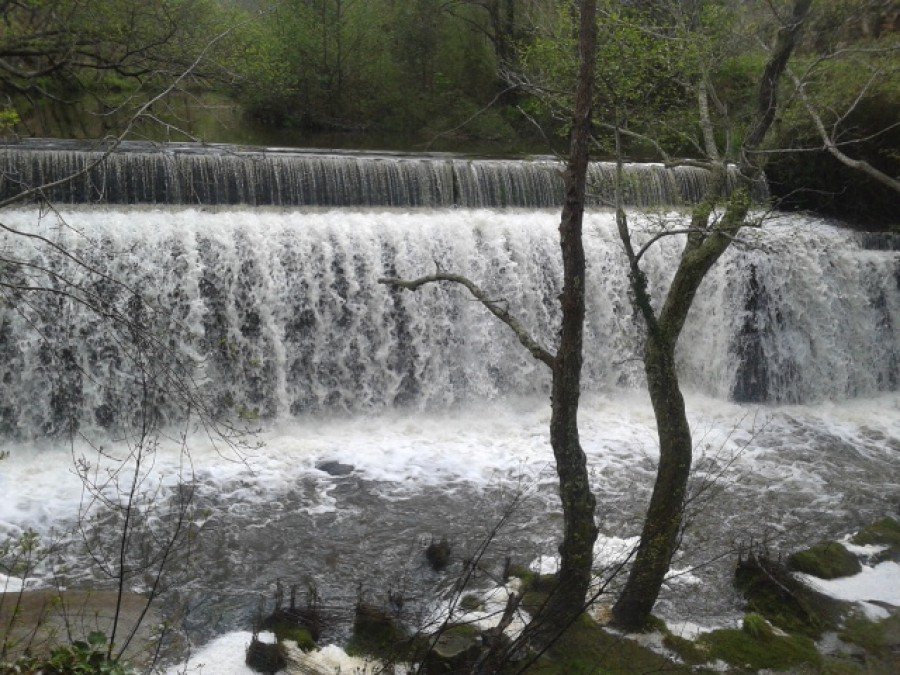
452 74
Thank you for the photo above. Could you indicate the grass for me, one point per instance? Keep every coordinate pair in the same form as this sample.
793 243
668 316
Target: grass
746 650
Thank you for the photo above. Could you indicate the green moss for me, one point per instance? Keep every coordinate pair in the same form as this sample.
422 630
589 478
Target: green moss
827 560
742 649
466 630
298 634
756 626
878 638
689 651
836 666
376 633
532 581
470 602
771 591
587 649
885 532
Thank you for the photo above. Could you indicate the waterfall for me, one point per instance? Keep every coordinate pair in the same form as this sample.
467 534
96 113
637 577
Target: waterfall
278 313
140 173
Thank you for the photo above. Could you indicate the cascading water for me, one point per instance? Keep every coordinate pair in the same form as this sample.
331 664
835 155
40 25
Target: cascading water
430 410
281 314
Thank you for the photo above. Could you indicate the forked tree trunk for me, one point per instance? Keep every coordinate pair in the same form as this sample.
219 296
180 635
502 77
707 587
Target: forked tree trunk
662 524
706 242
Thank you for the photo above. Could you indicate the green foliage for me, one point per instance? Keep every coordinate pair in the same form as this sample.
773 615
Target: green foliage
8 121
19 557
407 66
827 560
66 59
79 658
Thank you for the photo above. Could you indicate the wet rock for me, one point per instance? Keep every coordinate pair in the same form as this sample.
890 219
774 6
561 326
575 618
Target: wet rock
771 590
455 652
335 468
377 633
438 554
265 657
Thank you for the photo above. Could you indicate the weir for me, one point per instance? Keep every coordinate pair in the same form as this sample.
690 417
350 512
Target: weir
143 173
273 314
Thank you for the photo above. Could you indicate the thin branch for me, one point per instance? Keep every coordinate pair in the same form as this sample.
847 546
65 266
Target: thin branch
471 117
502 313
858 164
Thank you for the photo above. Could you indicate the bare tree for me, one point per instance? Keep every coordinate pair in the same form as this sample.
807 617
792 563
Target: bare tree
578 502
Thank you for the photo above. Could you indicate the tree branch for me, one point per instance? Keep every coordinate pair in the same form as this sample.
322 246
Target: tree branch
537 351
832 147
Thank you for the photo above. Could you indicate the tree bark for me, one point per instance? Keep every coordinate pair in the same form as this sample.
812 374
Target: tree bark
662 524
705 244
579 528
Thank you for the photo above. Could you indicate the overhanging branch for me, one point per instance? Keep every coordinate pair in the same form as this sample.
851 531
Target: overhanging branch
537 351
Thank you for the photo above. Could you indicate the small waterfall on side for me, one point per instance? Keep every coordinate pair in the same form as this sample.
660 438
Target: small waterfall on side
279 313
223 175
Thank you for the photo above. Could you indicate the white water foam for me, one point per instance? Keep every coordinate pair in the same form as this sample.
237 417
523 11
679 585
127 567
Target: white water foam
281 313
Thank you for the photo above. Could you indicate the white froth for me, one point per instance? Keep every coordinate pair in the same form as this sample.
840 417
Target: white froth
756 451
225 656
878 584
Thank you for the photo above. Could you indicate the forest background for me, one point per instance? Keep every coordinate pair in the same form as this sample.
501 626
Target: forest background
447 75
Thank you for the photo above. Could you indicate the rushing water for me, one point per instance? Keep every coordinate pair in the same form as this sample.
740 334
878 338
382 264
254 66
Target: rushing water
390 418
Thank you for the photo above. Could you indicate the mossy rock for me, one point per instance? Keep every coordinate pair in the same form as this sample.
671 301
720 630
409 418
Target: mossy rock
827 560
532 581
295 633
586 648
771 591
756 626
377 633
265 657
880 639
456 650
689 651
885 532
535 589
744 650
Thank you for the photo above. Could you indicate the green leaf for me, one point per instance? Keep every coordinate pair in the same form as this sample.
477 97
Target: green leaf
97 638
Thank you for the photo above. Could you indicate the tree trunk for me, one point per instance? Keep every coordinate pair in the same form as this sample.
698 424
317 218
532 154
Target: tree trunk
662 525
705 245
578 503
